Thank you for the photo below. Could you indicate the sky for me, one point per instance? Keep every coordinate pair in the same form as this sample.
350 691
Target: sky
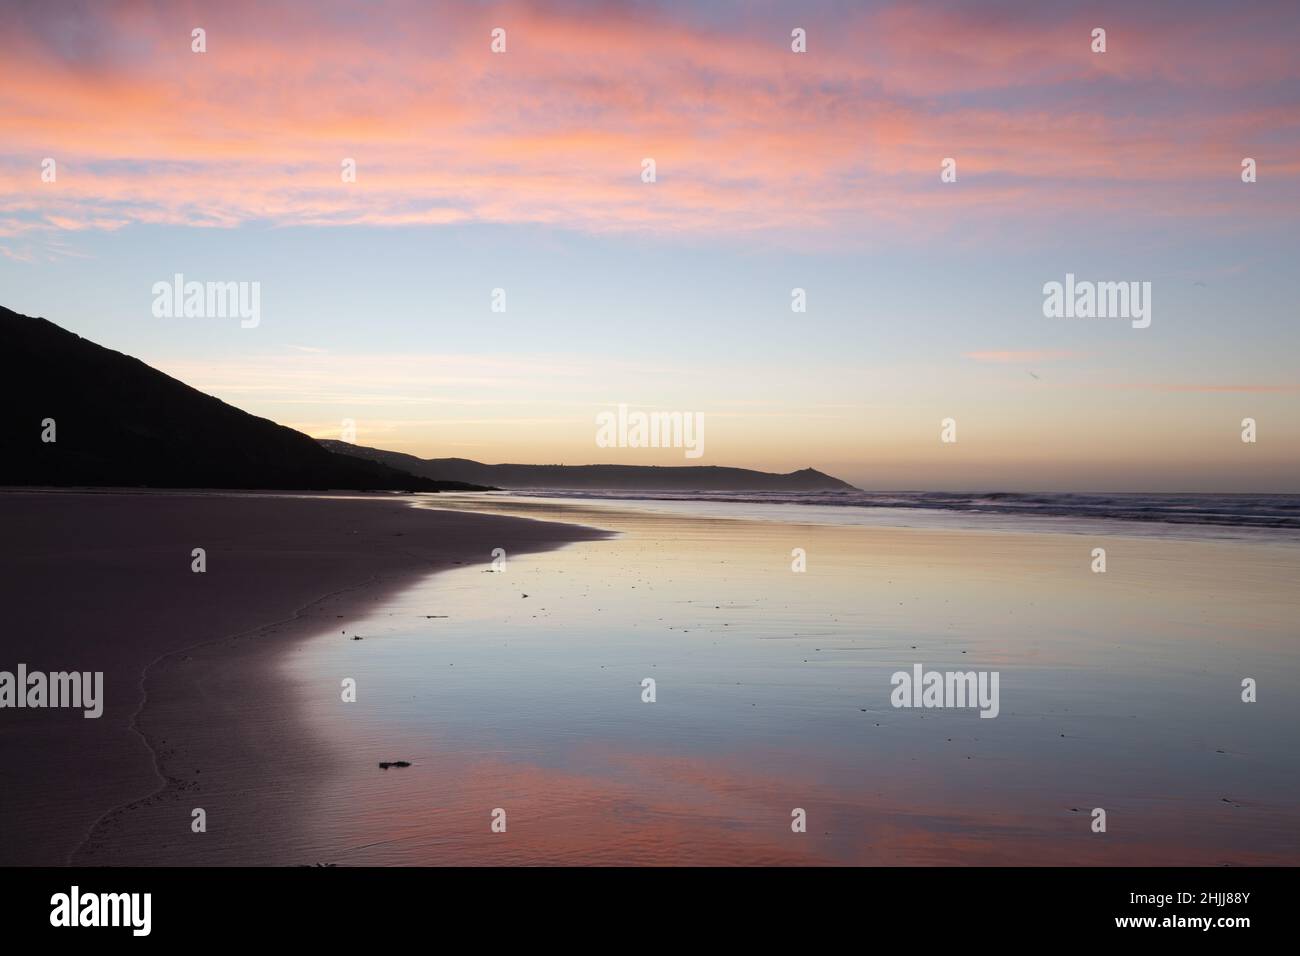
774 170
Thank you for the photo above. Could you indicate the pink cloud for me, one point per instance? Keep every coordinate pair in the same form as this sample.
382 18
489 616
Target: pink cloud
1028 355
1208 387
748 137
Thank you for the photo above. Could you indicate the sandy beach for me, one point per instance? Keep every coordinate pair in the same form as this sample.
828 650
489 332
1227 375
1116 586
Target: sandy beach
519 686
102 581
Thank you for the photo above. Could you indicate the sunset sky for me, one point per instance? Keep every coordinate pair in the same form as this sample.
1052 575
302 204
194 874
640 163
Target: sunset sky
775 170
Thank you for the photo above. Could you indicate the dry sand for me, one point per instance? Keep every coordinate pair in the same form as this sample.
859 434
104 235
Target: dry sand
196 712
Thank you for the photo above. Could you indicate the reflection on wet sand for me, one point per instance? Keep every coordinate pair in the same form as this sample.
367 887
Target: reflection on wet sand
1119 691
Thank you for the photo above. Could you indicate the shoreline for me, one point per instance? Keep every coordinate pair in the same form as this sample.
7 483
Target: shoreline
775 693
248 725
192 661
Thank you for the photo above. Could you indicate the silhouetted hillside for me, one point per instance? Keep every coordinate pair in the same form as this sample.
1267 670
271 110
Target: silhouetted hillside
120 423
597 477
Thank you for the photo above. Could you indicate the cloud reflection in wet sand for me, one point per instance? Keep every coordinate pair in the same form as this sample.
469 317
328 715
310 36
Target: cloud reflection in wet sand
1119 694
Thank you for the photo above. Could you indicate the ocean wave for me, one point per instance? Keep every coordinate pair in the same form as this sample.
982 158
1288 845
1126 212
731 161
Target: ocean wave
1222 510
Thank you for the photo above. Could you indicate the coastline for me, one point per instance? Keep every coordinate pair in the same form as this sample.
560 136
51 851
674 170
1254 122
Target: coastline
190 661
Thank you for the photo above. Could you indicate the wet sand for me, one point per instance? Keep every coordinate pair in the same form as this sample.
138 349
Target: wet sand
103 582
1119 691
520 688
